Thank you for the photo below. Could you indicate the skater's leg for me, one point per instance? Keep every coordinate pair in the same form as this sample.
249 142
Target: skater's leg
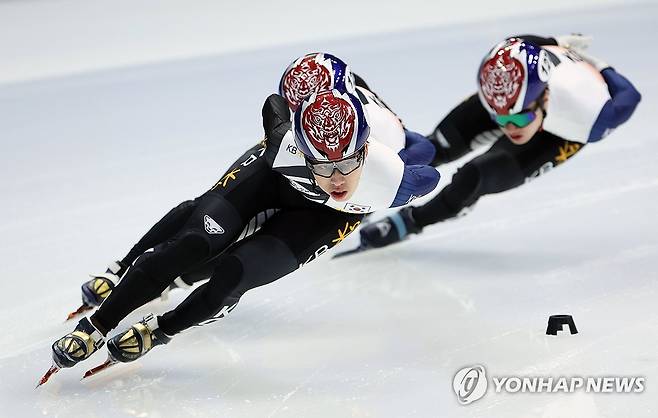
96 290
287 241
204 271
503 167
164 229
247 188
250 186
151 275
246 169
213 299
491 172
237 185
234 269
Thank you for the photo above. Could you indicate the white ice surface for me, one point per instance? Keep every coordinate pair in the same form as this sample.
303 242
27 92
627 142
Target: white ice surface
89 162
46 38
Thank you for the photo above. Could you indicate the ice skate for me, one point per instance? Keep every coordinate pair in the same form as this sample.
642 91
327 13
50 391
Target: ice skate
132 344
74 347
96 290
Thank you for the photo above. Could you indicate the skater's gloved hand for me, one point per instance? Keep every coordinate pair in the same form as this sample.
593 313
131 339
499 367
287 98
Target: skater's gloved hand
276 123
576 41
275 113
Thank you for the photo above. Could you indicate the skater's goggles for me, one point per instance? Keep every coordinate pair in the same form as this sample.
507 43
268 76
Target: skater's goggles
520 120
344 166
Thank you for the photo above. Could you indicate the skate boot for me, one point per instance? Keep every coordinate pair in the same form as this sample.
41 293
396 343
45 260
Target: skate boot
137 341
132 344
74 347
389 230
78 345
96 290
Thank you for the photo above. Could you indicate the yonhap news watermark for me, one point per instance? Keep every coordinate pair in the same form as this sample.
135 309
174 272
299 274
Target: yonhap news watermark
471 383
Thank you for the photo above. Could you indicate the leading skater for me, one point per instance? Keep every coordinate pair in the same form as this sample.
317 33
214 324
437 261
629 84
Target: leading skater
306 75
540 101
323 171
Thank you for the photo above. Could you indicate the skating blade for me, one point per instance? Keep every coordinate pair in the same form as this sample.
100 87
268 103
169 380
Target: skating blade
108 363
83 308
53 369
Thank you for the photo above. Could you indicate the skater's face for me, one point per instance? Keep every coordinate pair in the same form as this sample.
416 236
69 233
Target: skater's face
521 135
341 186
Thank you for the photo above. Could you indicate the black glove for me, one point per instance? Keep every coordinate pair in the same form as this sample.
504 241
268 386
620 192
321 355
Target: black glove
276 123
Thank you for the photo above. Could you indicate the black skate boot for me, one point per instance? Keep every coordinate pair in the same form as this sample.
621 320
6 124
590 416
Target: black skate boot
78 345
389 230
137 341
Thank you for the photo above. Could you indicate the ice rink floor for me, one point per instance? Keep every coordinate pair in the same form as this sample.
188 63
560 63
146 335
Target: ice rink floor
90 162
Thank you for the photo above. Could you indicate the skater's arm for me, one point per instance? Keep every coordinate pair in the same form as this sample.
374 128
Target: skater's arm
624 98
386 181
417 181
166 227
465 128
417 149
